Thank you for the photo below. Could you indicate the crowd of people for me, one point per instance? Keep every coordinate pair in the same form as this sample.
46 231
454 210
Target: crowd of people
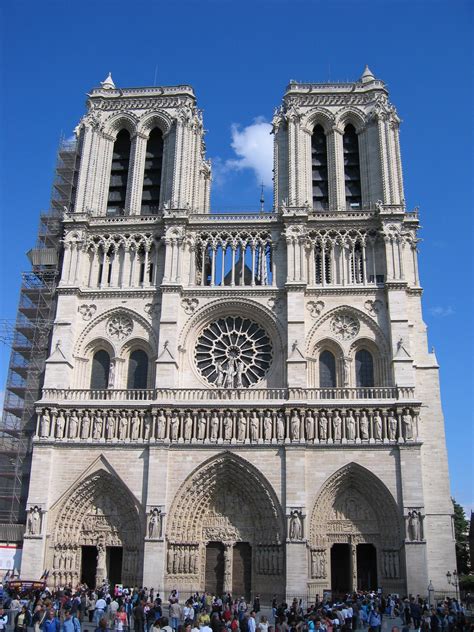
143 610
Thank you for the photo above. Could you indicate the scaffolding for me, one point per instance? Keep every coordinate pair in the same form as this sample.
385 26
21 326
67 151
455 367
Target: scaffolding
30 339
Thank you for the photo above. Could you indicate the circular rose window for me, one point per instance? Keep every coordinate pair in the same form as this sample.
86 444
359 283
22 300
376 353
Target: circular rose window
233 352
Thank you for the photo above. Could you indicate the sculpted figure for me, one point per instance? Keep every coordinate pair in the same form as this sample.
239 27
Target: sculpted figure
337 427
377 426
45 424
364 426
123 426
241 427
214 427
60 424
280 426
254 427
239 369
407 423
174 427
85 425
227 426
135 422
295 426
147 427
350 427
110 426
309 426
97 430
414 525
154 525
220 375
392 427
34 521
230 373
296 526
188 427
161 425
202 427
73 425
323 427
267 426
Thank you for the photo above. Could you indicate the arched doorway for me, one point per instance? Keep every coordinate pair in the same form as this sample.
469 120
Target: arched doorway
355 528
97 533
226 531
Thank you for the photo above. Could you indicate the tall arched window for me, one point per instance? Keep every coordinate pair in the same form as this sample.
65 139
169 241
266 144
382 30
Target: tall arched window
364 366
350 145
137 369
327 370
119 174
319 159
100 370
152 176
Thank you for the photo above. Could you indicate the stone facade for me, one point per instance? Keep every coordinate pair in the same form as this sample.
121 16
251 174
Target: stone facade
253 387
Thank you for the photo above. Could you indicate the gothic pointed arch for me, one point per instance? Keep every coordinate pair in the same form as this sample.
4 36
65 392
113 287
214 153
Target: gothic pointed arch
98 510
318 116
355 505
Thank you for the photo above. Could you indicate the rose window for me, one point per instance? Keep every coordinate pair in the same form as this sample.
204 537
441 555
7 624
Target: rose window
119 326
233 352
345 326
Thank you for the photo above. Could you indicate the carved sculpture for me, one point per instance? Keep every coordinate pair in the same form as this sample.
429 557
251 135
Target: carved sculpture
45 424
214 434
202 423
295 426
174 426
296 525
350 427
155 524
267 426
97 427
392 427
123 426
323 427
241 427
135 424
227 422
110 426
161 426
337 427
34 521
407 424
364 426
377 426
188 427
309 426
60 425
280 424
414 526
254 430
73 425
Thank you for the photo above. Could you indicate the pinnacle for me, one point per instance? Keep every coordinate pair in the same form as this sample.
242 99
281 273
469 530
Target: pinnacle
367 75
108 84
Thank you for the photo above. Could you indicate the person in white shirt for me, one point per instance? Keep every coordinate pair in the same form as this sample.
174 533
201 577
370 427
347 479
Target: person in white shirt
252 623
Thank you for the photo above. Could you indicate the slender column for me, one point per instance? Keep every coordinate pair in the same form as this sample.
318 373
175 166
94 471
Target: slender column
213 267
415 263
103 276
66 262
223 249
192 264
136 172
374 271
92 259
203 264
232 280
242 253
253 264
125 278
273 249
146 281
353 552
401 248
179 244
343 263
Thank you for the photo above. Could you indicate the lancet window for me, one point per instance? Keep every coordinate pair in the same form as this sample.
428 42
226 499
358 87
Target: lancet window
319 160
352 168
234 259
137 369
100 370
152 174
327 370
119 174
364 367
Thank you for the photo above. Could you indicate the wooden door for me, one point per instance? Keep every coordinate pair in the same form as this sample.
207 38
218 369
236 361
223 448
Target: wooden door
215 568
242 570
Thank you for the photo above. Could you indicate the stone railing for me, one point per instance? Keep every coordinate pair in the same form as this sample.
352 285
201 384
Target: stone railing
175 395
293 424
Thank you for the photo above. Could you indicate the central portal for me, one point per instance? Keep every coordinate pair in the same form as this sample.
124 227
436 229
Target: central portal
366 567
341 568
215 568
242 570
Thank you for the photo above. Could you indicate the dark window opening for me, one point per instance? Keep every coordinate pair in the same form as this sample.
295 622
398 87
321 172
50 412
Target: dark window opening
100 370
327 370
319 160
364 365
137 370
119 174
152 174
350 145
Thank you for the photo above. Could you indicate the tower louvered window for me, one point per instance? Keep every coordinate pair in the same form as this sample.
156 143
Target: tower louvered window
319 159
352 168
152 175
119 174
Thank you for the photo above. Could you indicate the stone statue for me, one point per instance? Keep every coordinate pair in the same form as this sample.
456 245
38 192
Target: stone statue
97 430
227 422
111 383
407 423
364 427
414 526
147 427
86 425
230 371
350 427
110 426
101 562
377 426
123 426
45 424
346 363
174 427
34 521
188 427
392 427
296 526
154 524
60 424
254 422
295 426
323 427
280 426
267 426
220 375
135 423
309 426
214 427
239 369
241 427
337 427
202 423
161 426
73 425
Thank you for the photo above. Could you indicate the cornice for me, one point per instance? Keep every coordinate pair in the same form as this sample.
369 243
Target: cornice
108 292
232 292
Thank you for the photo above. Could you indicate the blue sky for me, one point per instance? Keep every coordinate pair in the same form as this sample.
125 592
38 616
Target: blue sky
239 56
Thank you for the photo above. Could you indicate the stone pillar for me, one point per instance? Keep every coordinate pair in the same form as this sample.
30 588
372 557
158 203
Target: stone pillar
228 565
136 172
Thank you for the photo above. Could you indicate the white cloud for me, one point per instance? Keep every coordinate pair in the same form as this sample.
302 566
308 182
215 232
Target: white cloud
253 146
441 311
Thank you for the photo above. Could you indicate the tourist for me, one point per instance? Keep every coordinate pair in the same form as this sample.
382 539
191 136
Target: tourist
99 612
121 620
374 620
263 625
138 616
3 620
175 613
70 623
51 622
252 624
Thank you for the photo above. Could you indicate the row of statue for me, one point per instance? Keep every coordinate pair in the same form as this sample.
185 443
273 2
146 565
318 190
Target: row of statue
391 564
269 560
227 426
318 564
182 559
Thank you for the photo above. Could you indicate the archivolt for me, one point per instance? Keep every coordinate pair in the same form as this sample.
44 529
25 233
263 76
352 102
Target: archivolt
250 496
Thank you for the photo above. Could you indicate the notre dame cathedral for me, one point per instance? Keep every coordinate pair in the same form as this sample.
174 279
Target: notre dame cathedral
240 402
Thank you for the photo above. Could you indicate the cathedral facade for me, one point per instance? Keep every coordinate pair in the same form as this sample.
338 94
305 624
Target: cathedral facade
242 402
